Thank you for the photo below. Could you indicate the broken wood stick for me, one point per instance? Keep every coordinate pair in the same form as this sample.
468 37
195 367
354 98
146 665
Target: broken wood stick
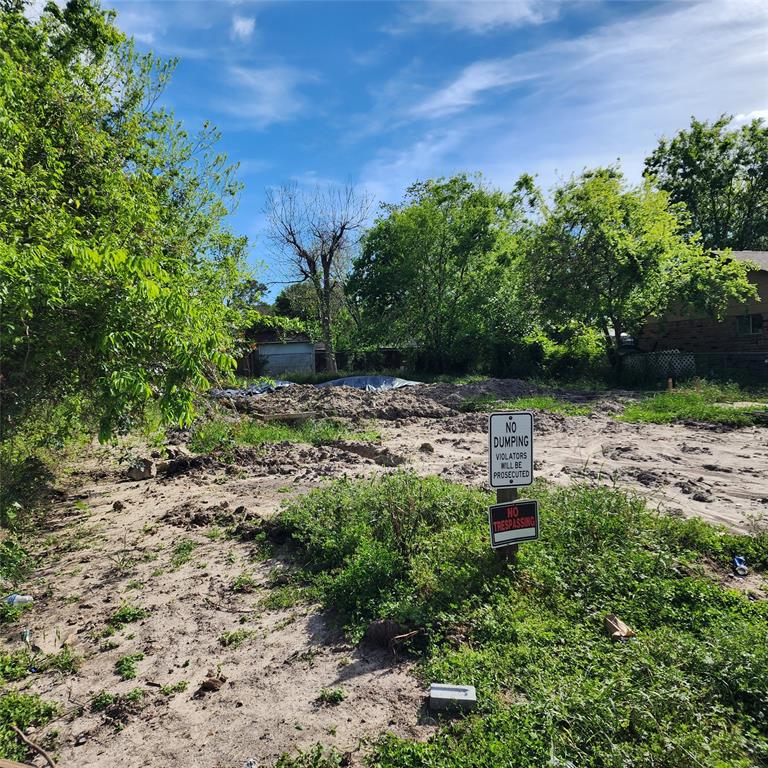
35 747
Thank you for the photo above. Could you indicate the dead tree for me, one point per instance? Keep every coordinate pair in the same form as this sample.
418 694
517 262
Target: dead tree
314 232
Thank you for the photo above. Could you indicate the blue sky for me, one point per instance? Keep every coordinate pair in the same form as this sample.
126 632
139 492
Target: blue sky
381 94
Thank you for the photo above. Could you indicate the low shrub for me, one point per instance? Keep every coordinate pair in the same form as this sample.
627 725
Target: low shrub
24 711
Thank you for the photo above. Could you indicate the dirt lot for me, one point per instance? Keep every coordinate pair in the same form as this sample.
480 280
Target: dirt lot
114 540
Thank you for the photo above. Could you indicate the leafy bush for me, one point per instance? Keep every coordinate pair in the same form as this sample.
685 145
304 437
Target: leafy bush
692 688
22 710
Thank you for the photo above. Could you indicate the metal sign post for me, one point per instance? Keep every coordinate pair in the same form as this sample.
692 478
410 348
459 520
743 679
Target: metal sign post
508 553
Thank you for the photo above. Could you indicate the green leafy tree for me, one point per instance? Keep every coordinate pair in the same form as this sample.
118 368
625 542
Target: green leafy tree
609 255
721 175
430 266
115 268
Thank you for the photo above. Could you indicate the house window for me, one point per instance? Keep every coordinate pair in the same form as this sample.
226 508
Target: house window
749 325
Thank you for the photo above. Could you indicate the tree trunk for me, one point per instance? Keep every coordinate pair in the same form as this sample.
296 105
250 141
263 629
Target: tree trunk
325 309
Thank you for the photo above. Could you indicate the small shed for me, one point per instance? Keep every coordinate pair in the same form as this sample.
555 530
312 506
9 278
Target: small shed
274 352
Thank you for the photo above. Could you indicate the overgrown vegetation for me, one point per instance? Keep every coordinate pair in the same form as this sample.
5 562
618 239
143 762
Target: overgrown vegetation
24 711
704 402
16 665
552 688
219 434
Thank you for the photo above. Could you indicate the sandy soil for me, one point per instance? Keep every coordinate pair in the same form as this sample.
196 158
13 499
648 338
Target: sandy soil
112 540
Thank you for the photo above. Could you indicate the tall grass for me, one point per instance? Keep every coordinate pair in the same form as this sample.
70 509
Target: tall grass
218 434
707 402
691 690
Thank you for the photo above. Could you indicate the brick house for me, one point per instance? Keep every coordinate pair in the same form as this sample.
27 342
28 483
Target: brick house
741 337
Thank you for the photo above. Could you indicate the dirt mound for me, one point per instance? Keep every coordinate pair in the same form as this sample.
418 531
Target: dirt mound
347 402
198 515
453 395
428 401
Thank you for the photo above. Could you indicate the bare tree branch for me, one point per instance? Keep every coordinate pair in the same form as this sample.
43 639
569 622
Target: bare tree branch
313 233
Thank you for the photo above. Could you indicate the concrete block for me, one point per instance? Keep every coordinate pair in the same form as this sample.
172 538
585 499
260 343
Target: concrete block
447 697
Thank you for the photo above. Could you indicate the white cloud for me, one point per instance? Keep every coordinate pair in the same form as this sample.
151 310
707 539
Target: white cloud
242 28
588 100
480 16
466 90
756 114
265 96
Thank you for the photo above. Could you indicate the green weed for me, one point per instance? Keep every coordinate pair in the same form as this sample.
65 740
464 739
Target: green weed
18 664
283 597
174 688
102 700
222 435
125 666
235 638
691 689
331 696
24 711
245 582
126 614
317 756
182 553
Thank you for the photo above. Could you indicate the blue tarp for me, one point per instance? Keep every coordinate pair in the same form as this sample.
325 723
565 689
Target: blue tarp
254 389
369 383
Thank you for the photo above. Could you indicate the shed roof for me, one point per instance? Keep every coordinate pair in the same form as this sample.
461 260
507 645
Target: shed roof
759 257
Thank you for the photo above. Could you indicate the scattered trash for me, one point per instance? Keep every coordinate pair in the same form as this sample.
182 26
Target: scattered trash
369 383
448 697
251 763
297 417
52 640
26 637
14 600
616 629
740 566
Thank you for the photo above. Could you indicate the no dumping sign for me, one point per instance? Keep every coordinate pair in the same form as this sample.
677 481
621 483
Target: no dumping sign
510 449
512 522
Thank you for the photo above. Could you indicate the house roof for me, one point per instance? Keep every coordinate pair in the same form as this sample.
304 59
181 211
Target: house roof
759 257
